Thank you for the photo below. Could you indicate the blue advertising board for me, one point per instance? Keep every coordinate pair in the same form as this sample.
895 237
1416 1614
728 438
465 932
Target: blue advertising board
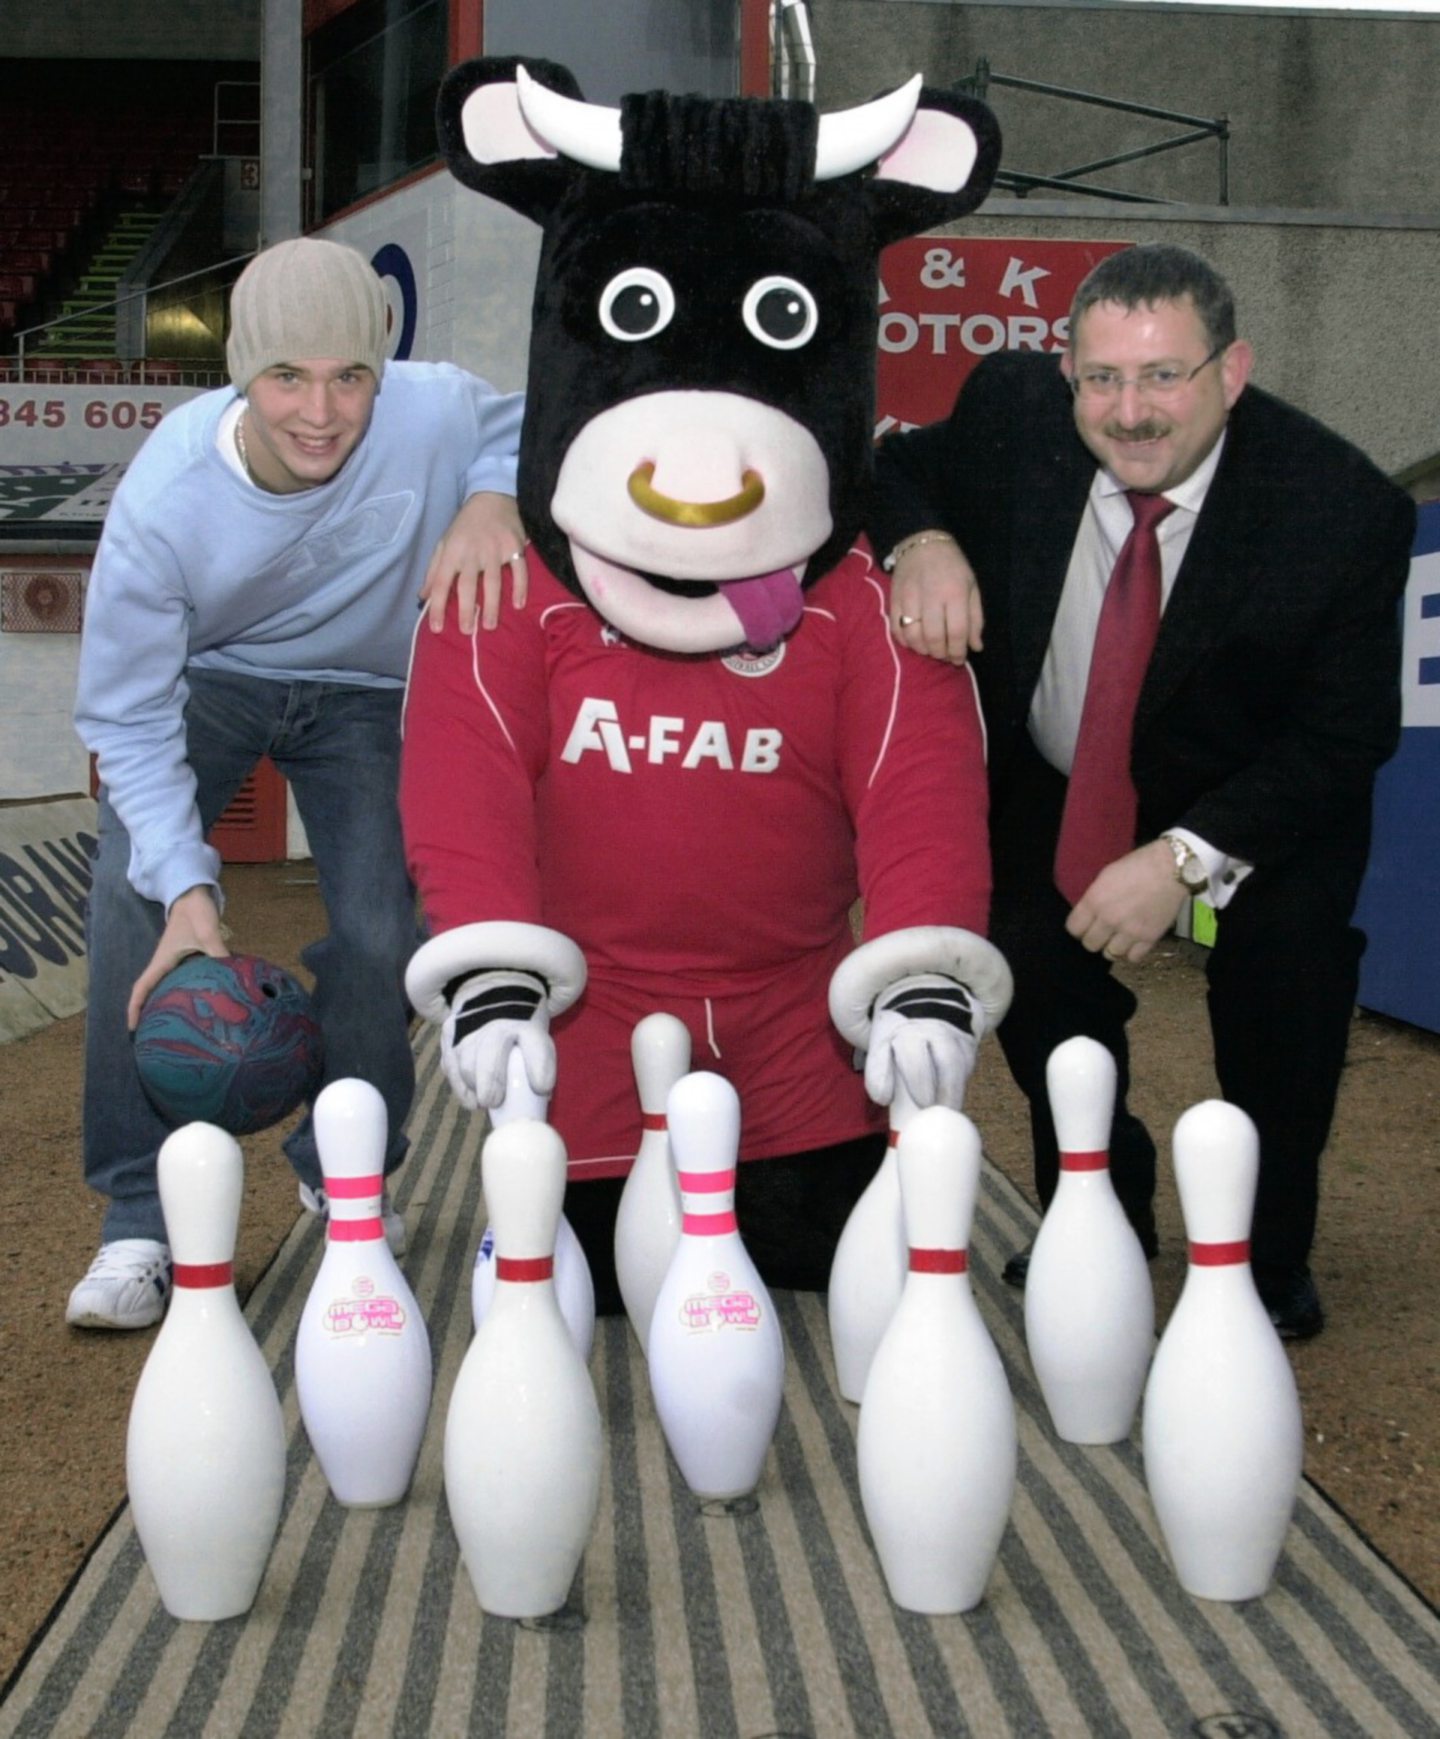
1399 906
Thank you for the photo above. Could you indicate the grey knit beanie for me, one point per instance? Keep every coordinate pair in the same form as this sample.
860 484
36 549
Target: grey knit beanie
305 299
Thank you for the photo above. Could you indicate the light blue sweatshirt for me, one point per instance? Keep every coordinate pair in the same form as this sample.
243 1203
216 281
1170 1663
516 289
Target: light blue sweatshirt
198 567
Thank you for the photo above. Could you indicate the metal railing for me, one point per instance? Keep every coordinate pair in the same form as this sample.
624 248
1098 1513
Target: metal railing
1021 183
17 368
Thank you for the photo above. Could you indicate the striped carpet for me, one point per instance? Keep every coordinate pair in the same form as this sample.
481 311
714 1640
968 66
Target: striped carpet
771 1622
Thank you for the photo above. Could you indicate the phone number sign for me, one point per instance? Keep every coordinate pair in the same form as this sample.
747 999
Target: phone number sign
115 413
946 301
79 425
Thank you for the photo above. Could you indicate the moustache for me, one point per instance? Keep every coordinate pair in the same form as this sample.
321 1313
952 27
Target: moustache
1146 431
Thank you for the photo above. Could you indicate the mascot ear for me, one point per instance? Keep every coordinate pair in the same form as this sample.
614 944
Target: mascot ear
940 168
486 141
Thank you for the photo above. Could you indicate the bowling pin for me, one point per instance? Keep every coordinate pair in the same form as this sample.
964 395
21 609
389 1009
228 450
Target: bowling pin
1089 1306
867 1275
1222 1435
362 1353
717 1360
574 1286
522 1437
647 1223
205 1449
936 1447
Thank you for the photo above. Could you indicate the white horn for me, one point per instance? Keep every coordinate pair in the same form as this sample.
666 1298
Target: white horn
856 137
584 132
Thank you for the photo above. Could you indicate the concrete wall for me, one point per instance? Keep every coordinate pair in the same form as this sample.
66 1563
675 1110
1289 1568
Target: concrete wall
1326 112
153 30
1342 313
40 754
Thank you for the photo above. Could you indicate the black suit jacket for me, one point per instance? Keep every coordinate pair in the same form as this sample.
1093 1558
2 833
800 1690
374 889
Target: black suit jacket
1273 693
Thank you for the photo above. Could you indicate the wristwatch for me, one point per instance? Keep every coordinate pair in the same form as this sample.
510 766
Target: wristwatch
1190 872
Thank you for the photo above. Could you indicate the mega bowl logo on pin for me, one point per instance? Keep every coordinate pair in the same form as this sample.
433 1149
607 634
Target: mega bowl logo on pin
720 1307
386 1315
402 299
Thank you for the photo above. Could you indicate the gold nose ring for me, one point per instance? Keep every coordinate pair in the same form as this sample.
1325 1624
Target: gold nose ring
698 514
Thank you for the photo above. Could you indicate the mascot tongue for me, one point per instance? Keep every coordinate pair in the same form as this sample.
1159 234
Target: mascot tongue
768 606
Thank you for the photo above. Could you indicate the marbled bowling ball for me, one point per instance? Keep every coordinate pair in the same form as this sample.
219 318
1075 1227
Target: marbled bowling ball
232 1042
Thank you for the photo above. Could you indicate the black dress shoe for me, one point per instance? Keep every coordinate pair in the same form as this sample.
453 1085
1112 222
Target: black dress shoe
1290 1298
1016 1271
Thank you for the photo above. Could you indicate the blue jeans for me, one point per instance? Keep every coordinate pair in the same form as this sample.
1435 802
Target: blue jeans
339 746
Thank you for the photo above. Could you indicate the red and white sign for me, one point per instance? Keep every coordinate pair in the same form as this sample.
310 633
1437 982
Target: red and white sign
946 301
63 449
42 423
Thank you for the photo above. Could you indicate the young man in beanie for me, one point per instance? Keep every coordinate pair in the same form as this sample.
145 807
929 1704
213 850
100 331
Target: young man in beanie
255 593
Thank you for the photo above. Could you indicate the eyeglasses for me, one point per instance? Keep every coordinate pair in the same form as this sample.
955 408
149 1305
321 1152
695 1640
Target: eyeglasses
1162 380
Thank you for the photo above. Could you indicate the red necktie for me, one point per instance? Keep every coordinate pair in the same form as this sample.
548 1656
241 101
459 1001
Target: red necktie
1098 825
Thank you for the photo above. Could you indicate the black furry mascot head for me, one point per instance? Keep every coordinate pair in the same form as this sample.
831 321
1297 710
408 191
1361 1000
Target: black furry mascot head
700 403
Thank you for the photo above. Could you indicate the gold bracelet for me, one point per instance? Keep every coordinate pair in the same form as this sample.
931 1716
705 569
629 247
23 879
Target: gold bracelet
914 541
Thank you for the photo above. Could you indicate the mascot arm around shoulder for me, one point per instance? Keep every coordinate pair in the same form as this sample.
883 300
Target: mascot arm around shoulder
678 766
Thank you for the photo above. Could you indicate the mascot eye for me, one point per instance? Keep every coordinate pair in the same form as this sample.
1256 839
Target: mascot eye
781 313
636 304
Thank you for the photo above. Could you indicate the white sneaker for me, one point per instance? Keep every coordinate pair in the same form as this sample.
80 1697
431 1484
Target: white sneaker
128 1286
315 1202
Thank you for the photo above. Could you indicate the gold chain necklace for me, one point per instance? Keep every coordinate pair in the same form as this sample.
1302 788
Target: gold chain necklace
244 456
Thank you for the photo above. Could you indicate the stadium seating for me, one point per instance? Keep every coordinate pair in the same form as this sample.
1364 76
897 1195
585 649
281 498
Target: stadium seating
70 180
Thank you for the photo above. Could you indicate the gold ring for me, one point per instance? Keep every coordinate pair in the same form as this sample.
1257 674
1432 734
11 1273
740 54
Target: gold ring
908 621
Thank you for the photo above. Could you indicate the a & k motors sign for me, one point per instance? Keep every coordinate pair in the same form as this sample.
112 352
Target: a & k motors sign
946 301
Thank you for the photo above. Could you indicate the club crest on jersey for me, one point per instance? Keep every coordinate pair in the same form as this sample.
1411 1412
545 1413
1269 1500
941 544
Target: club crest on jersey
755 663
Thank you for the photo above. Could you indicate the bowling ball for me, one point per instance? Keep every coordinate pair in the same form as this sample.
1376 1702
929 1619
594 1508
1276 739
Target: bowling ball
232 1042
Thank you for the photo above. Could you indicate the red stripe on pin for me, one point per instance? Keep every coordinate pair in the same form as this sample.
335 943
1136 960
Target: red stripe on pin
894 1138
1220 1255
355 1231
202 1274
654 1120
1084 1161
939 1261
706 1183
524 1268
353 1189
707 1225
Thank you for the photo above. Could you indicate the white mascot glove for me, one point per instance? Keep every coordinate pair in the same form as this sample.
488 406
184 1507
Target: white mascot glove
492 1014
924 1034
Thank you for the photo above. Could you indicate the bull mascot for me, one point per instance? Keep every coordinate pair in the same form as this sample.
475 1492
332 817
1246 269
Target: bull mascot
664 782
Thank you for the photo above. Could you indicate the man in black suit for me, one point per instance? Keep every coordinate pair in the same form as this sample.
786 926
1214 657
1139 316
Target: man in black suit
1268 702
